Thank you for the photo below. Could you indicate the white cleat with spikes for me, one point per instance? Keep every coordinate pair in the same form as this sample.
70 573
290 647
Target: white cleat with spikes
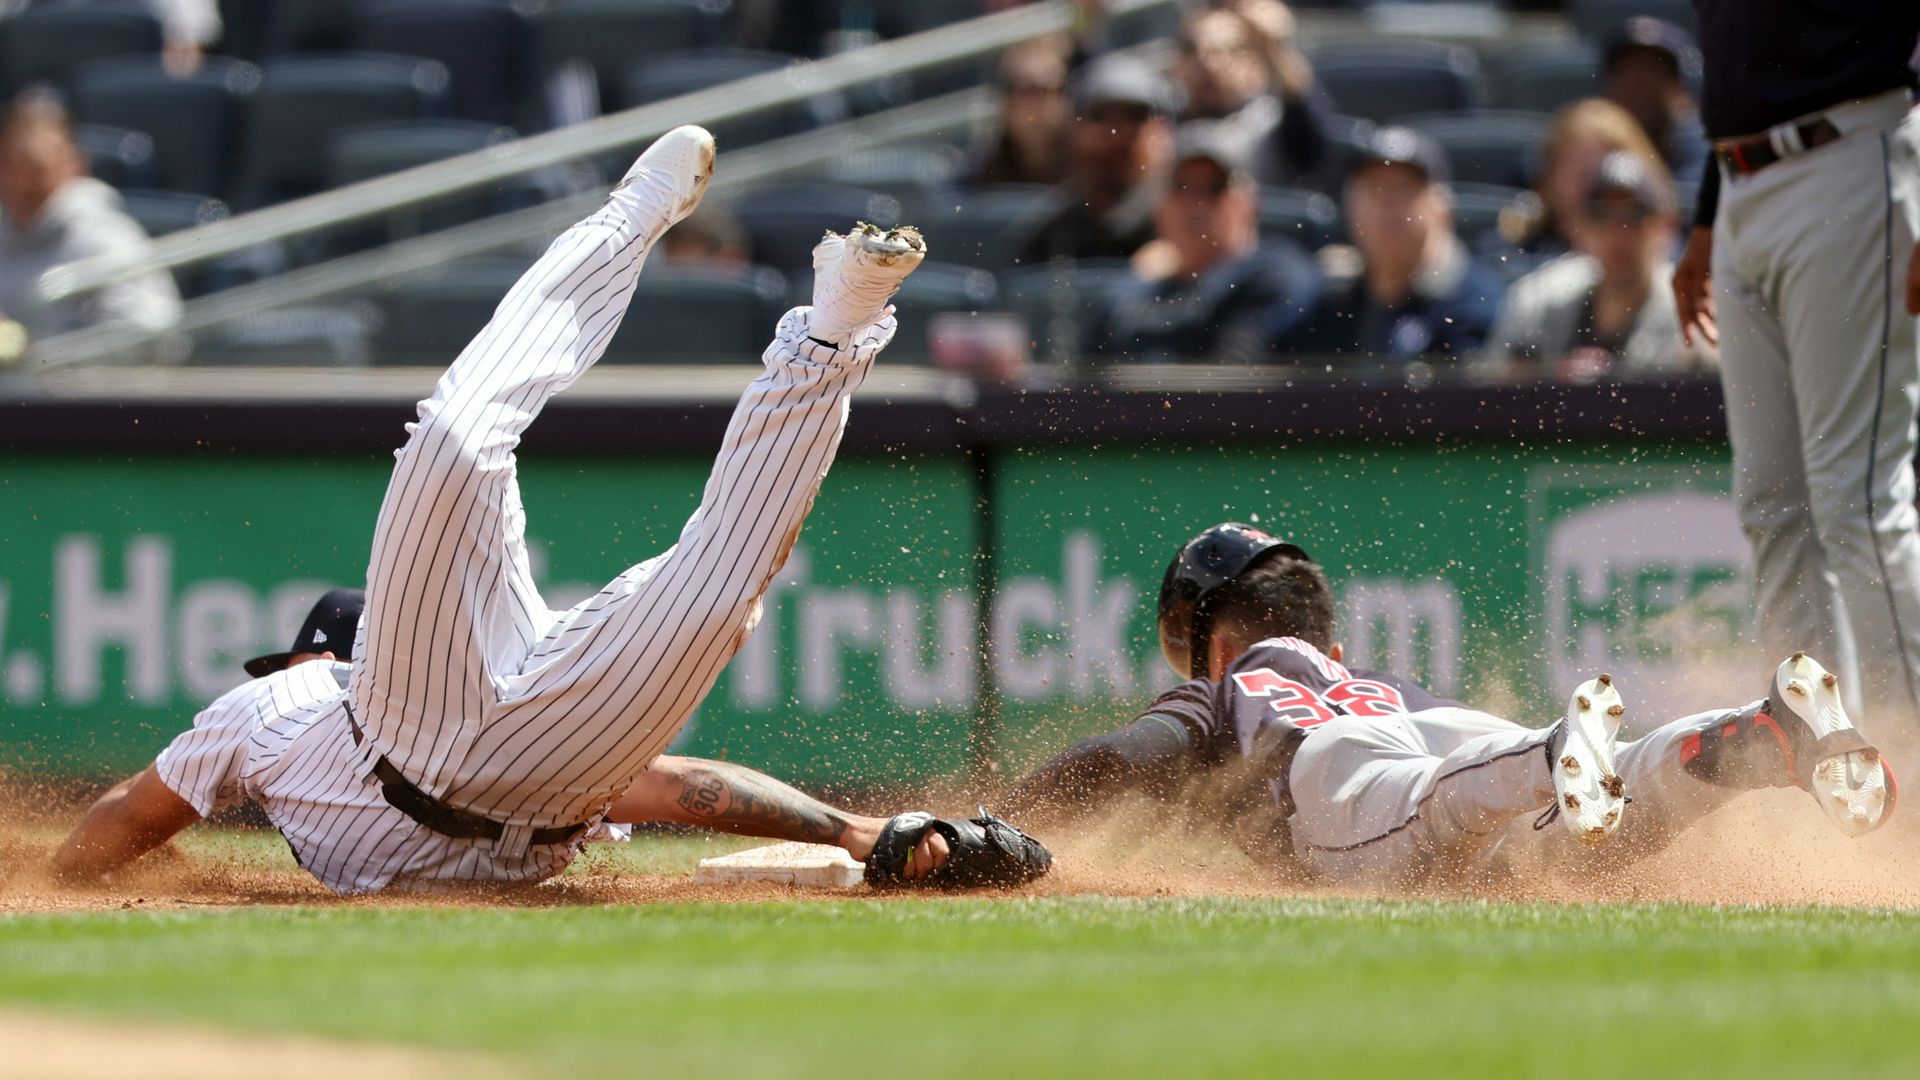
671 176
1845 774
855 275
1590 796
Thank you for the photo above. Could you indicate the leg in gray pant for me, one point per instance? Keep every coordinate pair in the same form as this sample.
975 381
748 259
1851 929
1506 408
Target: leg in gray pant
1822 376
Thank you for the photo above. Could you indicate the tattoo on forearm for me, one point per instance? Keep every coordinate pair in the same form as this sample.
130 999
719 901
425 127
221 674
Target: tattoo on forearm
733 799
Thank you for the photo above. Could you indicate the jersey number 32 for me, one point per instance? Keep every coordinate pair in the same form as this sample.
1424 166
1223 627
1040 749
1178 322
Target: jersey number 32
1298 704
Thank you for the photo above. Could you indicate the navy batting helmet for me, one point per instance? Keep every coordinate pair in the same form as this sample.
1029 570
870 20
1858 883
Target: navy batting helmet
1206 563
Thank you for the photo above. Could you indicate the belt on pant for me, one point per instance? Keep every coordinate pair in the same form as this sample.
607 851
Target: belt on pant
1743 157
403 795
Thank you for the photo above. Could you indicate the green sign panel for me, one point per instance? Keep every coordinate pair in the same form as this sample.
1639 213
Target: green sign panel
130 589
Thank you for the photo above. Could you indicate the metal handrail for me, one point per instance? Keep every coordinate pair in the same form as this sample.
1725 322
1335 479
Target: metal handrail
425 183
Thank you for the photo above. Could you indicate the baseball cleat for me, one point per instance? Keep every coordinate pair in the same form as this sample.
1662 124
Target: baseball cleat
1589 793
672 174
1828 756
855 275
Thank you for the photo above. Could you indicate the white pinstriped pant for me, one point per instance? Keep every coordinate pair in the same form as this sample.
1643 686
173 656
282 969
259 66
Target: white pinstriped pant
466 681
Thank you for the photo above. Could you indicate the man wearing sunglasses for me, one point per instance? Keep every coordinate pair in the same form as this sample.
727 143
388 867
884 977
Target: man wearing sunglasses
1608 304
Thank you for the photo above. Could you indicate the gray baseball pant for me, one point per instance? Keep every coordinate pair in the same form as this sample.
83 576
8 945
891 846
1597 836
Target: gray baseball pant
1822 377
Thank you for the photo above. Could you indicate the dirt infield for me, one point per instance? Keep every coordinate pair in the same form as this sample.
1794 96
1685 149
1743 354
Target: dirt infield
40 1046
1770 847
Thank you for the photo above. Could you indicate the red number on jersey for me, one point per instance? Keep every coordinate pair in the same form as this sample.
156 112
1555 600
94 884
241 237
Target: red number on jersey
1364 697
1291 701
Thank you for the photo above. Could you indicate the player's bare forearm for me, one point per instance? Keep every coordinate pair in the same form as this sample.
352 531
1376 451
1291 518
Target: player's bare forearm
138 815
730 798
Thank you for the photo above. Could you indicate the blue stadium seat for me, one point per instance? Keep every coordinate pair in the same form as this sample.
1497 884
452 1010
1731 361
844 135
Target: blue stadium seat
1307 218
657 78
982 226
297 26
163 212
784 223
1596 20
911 174
1385 80
48 41
1488 147
485 45
316 335
1542 80
1477 209
899 19
430 318
609 35
365 151
303 100
1063 306
194 121
696 315
116 156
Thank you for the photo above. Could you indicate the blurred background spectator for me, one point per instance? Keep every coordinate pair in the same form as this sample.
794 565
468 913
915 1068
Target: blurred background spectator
1408 287
1120 140
1029 144
1651 69
51 213
1238 64
1213 292
1579 137
709 238
1610 304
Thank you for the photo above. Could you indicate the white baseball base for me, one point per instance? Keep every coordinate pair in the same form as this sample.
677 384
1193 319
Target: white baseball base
813 865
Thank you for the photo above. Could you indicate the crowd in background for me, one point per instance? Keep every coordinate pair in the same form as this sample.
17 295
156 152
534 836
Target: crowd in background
1158 174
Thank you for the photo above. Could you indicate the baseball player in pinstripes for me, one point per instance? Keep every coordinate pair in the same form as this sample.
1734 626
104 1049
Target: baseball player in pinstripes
481 735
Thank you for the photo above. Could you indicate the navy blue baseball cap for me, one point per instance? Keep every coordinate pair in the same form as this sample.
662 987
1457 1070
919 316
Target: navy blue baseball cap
330 627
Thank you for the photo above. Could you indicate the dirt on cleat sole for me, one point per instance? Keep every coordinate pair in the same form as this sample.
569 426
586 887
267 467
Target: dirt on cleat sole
1851 787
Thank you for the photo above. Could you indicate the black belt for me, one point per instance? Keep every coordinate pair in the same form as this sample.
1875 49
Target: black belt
404 796
1743 157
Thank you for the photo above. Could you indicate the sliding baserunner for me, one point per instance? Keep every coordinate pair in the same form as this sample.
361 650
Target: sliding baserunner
1366 778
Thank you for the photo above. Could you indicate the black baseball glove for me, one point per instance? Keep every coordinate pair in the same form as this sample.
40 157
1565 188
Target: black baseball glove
982 850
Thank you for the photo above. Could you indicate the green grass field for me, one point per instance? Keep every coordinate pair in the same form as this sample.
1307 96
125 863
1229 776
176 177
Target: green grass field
1012 987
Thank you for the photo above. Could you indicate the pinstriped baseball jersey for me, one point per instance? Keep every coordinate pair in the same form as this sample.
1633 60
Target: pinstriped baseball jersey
466 681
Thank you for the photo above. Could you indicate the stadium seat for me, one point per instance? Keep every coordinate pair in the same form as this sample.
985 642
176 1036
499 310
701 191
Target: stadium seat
657 78
1477 209
696 315
1596 20
1542 80
1063 305
1385 80
609 35
369 150
910 174
116 156
485 45
194 121
981 226
297 26
897 20
47 42
303 100
163 212
784 223
1307 218
430 318
1489 147
326 335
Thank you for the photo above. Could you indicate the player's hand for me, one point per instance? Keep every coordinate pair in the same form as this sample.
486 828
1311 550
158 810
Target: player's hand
1693 288
1913 282
928 855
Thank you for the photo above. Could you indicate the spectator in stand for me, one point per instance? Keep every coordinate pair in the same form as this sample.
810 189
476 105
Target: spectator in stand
53 213
1225 297
1538 226
1238 64
1408 287
1650 70
1608 306
1120 140
1029 144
